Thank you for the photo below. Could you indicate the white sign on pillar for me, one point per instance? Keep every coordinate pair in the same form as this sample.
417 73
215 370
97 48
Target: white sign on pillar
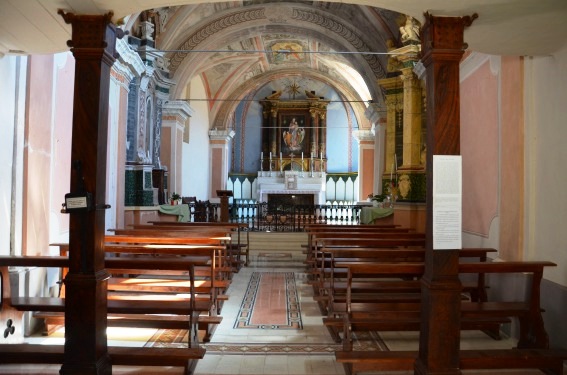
447 202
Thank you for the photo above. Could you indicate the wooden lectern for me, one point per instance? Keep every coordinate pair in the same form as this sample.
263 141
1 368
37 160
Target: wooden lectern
223 195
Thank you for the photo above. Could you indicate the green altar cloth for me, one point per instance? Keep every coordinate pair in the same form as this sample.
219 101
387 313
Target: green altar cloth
368 214
181 210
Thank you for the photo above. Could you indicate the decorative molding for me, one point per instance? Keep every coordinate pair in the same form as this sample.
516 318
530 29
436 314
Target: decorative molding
364 136
345 32
217 25
129 59
178 107
372 113
221 135
471 64
303 15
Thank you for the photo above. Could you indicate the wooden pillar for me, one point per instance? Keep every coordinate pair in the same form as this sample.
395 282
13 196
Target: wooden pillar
93 46
439 343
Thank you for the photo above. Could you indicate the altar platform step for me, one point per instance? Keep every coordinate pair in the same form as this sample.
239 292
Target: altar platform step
273 246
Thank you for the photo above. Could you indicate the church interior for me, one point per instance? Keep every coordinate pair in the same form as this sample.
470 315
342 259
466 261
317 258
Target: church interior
118 115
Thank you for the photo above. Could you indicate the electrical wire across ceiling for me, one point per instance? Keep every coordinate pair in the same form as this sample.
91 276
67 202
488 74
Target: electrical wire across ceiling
276 51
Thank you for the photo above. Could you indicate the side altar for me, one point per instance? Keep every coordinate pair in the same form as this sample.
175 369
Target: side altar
292 183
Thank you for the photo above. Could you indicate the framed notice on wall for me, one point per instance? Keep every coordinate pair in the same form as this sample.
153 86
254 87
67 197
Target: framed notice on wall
447 202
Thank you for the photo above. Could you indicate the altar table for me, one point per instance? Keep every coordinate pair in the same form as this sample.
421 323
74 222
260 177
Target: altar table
181 210
369 214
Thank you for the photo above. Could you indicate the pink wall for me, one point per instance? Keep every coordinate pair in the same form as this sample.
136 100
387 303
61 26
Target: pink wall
216 171
37 156
61 166
47 155
479 149
512 159
367 174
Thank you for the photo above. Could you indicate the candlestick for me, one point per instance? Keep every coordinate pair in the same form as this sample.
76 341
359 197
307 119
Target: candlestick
396 162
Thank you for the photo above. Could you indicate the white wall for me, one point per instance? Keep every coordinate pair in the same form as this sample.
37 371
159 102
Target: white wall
12 92
546 161
196 163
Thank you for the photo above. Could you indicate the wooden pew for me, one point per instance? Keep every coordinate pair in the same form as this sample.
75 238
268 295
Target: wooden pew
119 355
352 240
336 285
12 307
210 288
217 274
390 288
317 234
240 249
550 361
314 229
532 349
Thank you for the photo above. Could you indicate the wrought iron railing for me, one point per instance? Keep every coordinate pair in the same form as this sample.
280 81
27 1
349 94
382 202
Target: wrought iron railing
277 217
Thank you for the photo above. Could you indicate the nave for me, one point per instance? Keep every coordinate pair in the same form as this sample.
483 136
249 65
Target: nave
268 350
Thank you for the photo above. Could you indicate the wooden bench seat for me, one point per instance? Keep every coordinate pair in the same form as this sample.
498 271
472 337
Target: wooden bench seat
331 280
362 316
193 309
528 312
550 361
239 248
162 321
119 355
144 311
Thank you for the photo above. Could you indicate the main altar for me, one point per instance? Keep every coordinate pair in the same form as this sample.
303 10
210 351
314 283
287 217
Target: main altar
293 183
293 155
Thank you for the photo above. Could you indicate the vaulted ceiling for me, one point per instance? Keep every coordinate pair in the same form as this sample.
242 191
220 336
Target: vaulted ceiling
236 47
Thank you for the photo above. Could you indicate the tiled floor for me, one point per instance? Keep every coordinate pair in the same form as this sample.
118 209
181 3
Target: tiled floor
283 345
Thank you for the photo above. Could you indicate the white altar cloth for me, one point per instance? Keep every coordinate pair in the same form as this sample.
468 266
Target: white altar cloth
276 184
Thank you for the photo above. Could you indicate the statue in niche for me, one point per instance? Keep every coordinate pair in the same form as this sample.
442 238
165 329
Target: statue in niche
410 31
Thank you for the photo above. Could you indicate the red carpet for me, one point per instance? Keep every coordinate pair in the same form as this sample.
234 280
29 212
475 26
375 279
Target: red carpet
271 302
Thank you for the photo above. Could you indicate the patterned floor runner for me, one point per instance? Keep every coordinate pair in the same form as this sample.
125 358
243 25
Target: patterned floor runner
271 302
171 338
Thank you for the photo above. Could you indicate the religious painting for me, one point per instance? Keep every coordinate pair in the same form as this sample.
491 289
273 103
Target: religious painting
294 136
287 52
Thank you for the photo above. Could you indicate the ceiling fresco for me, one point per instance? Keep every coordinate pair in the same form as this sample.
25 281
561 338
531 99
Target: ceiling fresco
238 47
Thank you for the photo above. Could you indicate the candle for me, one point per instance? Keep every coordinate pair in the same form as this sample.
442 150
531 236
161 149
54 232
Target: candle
392 173
302 156
261 156
321 155
270 155
280 155
396 162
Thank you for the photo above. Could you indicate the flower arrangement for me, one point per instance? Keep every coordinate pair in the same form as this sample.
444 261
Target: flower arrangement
175 198
379 197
